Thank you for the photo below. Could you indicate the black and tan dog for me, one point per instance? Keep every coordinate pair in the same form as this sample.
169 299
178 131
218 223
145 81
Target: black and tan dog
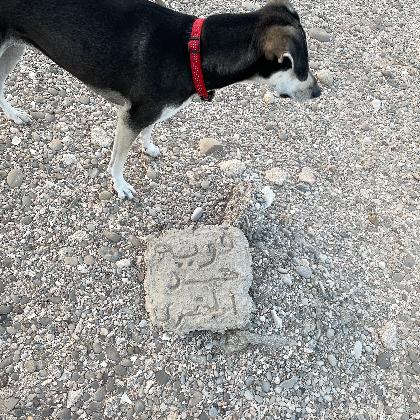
135 53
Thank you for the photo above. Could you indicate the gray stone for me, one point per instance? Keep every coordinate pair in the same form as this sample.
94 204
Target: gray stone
199 280
319 34
289 383
99 395
276 176
409 261
5 309
30 366
64 414
112 354
357 350
332 360
287 279
112 236
15 178
196 216
8 404
304 271
384 360
326 77
105 195
109 254
307 176
162 378
209 145
249 396
266 386
233 167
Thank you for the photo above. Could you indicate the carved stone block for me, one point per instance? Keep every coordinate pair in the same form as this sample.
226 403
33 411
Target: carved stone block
199 279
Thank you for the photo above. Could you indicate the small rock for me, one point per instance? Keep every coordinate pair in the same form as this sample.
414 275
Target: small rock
205 185
30 366
8 404
64 414
16 141
388 335
332 360
15 178
249 396
105 195
112 354
124 263
289 383
319 34
307 175
409 261
69 159
287 279
112 236
233 167
376 104
209 145
268 195
5 309
109 254
89 260
357 350
276 175
162 378
304 271
71 261
213 412
249 5
383 360
99 137
84 100
198 212
326 77
266 386
277 320
330 333
152 174
268 98
55 145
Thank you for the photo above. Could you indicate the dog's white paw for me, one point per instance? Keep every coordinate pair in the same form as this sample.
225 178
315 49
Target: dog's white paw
123 188
152 151
18 116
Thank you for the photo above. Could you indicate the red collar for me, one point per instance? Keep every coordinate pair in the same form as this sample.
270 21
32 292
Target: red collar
194 48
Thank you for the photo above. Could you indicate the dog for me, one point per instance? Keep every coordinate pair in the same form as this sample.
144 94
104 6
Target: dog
143 57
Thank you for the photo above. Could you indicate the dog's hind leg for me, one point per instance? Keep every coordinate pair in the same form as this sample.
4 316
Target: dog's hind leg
8 60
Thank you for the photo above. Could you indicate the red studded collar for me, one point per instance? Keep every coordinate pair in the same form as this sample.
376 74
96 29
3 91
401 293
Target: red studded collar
194 48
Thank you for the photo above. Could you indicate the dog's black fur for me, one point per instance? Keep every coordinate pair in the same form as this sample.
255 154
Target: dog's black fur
139 49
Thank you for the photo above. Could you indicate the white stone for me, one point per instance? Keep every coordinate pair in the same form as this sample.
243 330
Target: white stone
276 176
307 175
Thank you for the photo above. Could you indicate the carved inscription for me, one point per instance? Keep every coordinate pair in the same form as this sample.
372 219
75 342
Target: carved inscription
199 279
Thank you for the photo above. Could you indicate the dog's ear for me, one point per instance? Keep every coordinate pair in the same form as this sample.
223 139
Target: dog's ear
282 42
285 3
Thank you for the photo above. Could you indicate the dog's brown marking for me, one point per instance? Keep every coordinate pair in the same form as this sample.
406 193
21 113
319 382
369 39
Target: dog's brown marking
275 42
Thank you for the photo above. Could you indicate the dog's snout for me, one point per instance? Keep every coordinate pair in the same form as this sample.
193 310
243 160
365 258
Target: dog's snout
316 91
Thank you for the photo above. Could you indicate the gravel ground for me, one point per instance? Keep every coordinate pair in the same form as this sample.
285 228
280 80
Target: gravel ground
336 256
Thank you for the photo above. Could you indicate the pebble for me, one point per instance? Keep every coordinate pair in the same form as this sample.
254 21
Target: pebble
268 196
89 260
332 360
5 309
213 412
30 366
198 212
16 141
287 279
205 185
303 271
100 394
233 167
326 77
409 261
85 100
319 34
99 137
277 320
71 261
209 145
124 263
15 178
266 386
289 383
276 175
249 396
357 350
105 195
268 98
56 145
9 403
112 354
162 378
112 236
109 253
330 333
388 335
376 104
307 175
383 360
152 174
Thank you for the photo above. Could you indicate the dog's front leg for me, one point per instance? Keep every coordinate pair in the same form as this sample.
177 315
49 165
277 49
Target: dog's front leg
125 136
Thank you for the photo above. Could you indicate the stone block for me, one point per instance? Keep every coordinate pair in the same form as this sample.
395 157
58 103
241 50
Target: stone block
199 279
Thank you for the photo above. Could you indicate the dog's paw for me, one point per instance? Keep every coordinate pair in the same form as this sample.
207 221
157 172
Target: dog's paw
152 151
124 189
18 116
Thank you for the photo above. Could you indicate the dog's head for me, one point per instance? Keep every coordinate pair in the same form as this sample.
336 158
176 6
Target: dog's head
285 53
